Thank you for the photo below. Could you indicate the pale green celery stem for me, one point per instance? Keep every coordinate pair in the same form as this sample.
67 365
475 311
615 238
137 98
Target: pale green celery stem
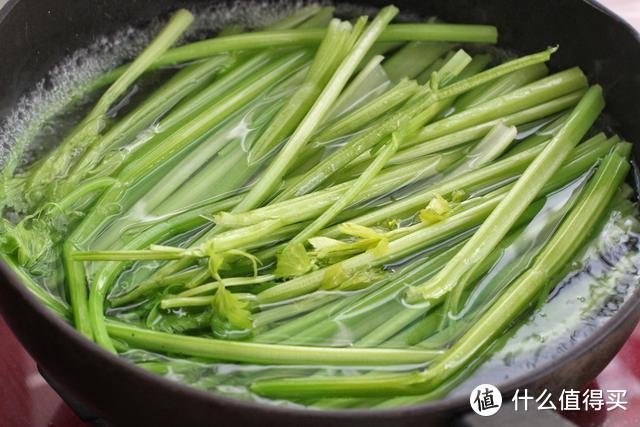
591 151
270 39
168 36
356 315
181 187
279 166
451 72
78 295
474 132
283 234
365 78
479 63
573 231
212 181
442 390
528 96
359 144
298 17
225 241
152 107
391 327
544 133
506 84
268 254
418 110
241 75
327 58
479 79
380 48
253 236
422 329
585 156
294 308
490 175
599 142
218 176
492 146
233 281
413 58
350 195
109 272
294 326
223 172
113 228
248 352
456 63
212 116
425 109
458 66
176 301
397 248
59 161
426 75
312 205
60 308
194 216
454 300
525 190
544 226
240 237
88 187
201 277
328 331
319 20
370 111
444 159
400 316
179 140
389 292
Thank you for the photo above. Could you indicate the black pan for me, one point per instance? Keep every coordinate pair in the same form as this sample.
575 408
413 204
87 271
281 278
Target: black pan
37 34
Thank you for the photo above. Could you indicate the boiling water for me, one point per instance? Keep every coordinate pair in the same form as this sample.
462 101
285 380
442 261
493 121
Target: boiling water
591 292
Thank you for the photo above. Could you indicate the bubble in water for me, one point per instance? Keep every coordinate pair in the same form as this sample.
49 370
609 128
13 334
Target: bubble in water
66 83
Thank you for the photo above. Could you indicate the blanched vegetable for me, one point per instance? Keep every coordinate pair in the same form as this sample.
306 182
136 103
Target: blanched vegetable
349 211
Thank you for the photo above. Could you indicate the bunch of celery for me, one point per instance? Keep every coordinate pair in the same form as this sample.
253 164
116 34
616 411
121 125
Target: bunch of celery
319 193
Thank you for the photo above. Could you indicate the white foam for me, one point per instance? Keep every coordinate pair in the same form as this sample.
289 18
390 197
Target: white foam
249 14
65 82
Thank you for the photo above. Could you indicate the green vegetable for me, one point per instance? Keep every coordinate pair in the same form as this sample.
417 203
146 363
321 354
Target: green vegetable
337 213
572 233
88 131
524 191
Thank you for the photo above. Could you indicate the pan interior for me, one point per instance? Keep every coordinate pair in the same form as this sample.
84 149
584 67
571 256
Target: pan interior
600 281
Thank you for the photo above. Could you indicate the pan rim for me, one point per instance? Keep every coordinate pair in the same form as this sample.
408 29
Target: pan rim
455 403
